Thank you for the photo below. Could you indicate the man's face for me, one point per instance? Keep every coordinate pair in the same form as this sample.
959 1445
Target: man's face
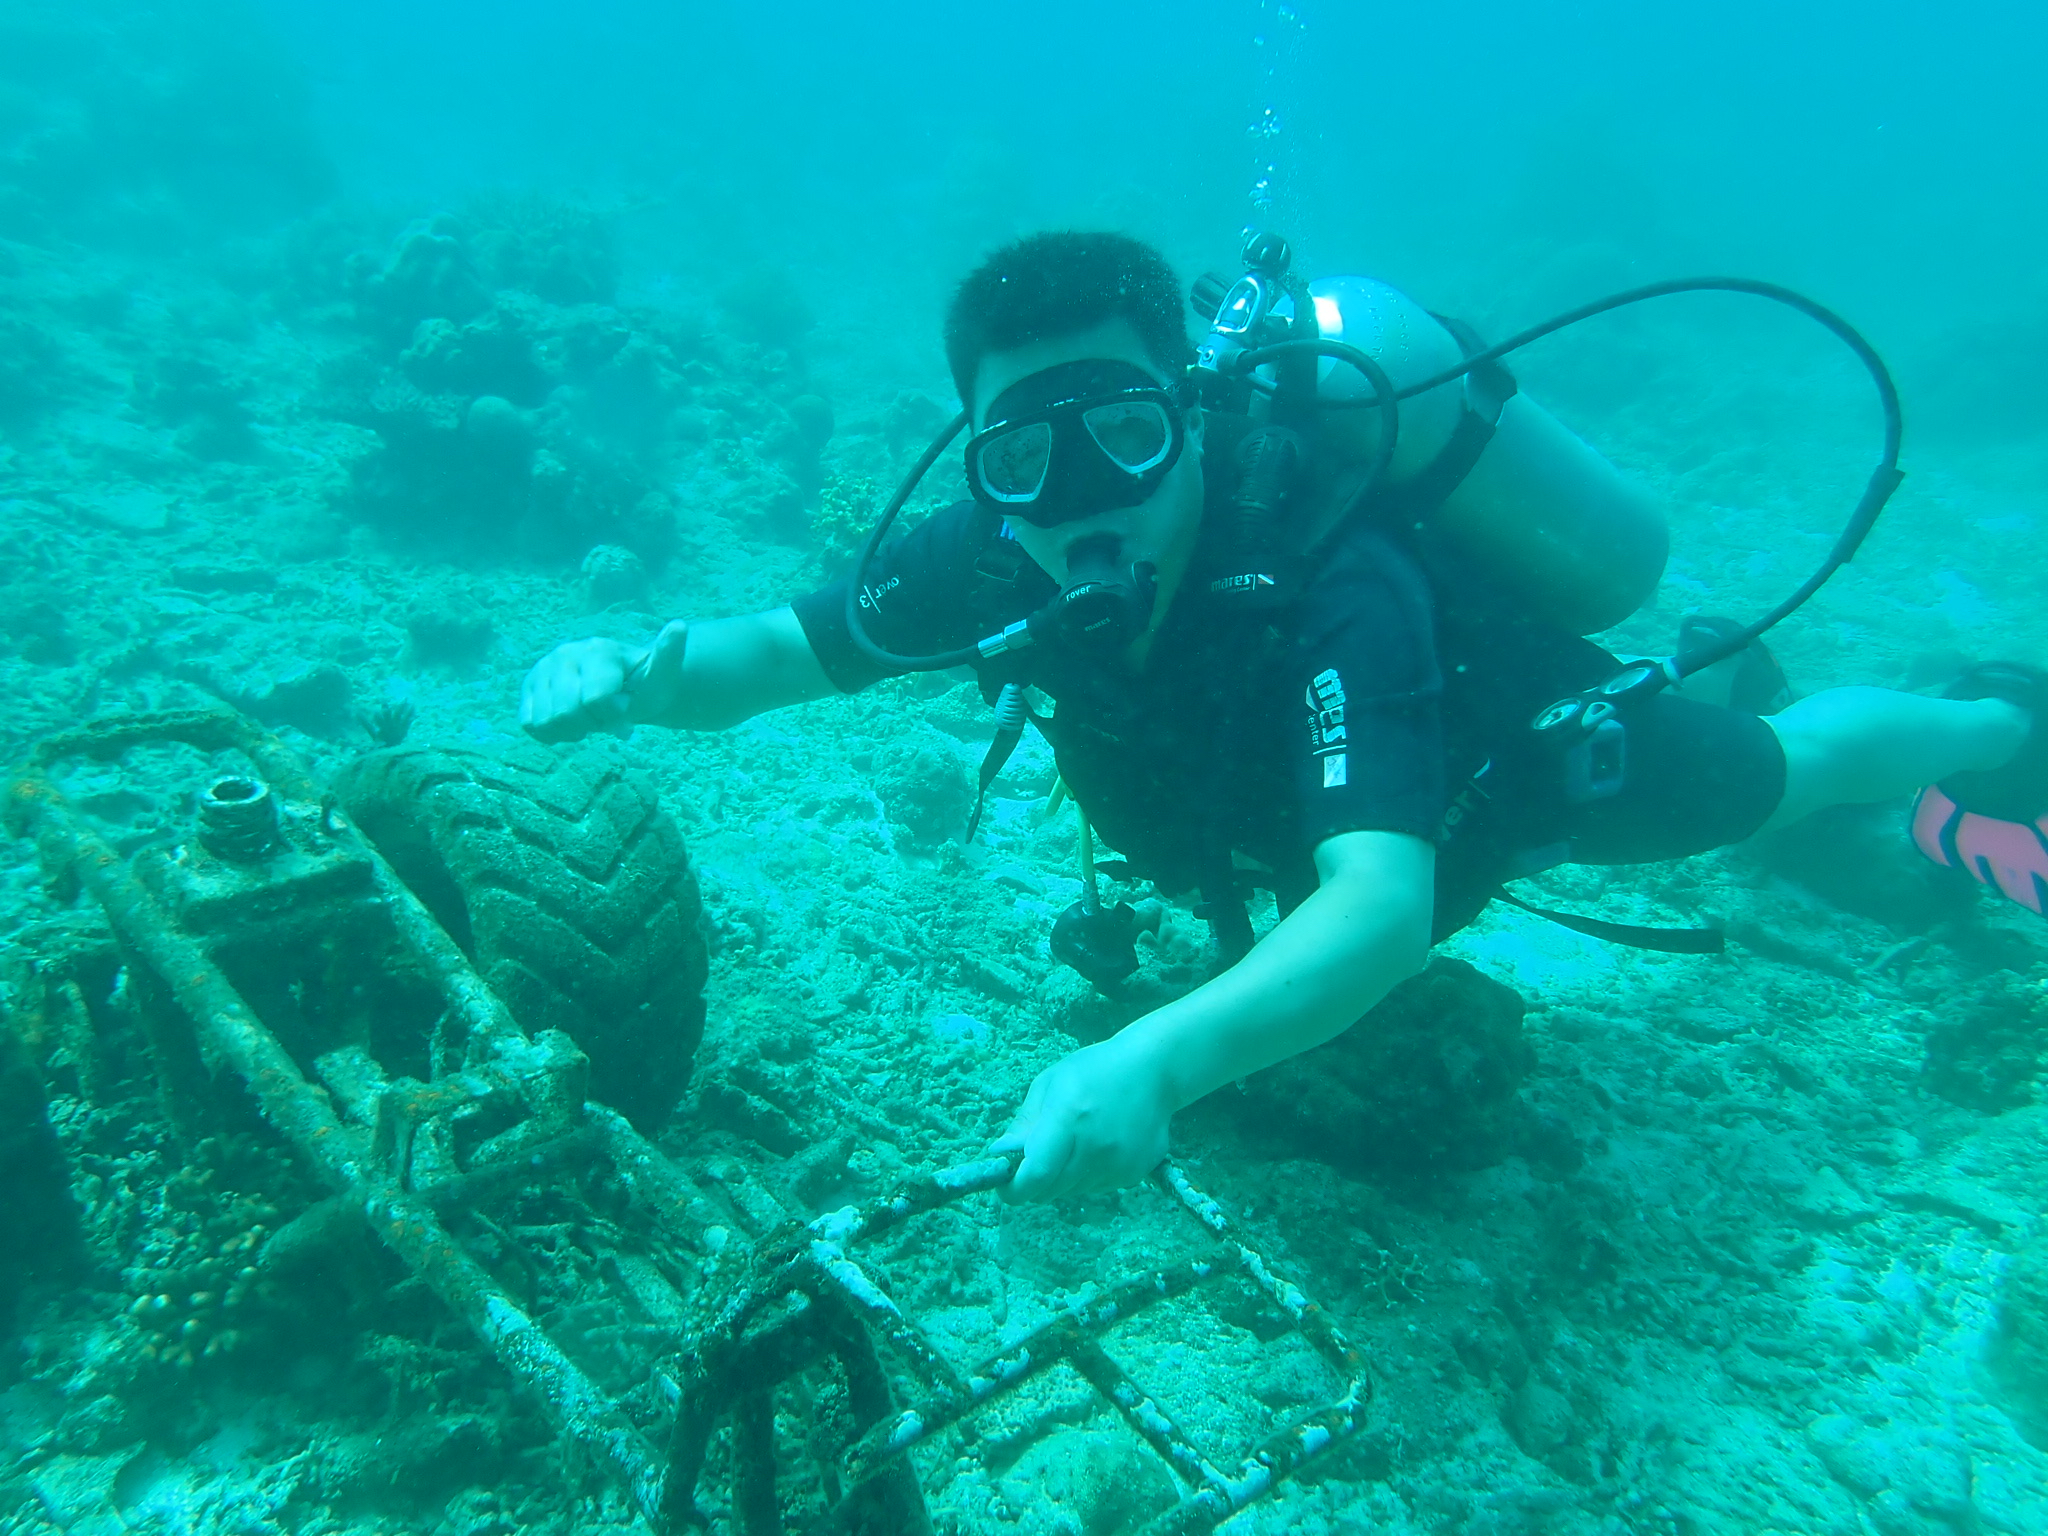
1162 528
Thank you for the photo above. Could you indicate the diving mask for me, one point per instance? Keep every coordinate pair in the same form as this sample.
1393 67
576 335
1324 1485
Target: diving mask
1077 439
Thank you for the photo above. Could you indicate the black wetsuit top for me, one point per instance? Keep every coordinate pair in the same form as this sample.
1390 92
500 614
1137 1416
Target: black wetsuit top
1367 703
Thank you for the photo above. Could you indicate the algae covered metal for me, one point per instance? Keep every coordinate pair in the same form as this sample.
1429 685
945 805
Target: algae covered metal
808 1296
288 955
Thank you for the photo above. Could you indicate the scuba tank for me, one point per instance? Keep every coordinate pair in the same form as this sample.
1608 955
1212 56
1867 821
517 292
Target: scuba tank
1268 349
1480 472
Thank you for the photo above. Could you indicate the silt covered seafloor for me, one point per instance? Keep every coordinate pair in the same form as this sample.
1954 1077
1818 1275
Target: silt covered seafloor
1632 1242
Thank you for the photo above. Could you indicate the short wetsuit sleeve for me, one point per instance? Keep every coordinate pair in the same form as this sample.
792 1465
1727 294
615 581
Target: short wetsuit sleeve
1369 756
919 598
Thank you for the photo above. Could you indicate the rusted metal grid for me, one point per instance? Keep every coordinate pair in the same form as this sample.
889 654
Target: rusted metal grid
375 1164
806 1296
803 1296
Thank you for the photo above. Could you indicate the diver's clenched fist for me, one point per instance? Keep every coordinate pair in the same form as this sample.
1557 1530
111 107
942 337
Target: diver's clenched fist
581 687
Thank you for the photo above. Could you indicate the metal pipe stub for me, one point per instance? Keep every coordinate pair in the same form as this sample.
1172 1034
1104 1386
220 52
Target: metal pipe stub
238 819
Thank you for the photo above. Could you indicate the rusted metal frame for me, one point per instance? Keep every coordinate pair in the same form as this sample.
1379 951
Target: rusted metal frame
1072 1337
490 1022
741 1382
1284 1453
1277 1458
704 1390
663 1190
1139 1409
857 1290
1314 1324
891 1503
1057 1340
800 1262
464 1190
793 1258
230 1032
209 730
731 1360
495 1036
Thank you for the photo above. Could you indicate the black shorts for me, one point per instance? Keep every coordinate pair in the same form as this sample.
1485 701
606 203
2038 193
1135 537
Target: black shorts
1693 777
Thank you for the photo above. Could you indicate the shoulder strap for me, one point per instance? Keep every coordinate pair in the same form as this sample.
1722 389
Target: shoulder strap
1488 388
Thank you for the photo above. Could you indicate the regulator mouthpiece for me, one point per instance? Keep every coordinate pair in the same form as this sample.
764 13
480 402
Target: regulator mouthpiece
1105 605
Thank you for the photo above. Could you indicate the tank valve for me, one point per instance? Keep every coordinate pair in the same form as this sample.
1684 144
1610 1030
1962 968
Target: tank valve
238 820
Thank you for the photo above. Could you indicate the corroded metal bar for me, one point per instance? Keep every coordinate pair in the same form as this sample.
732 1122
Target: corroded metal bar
755 1510
464 1191
785 1261
668 1194
495 1037
1315 1324
1152 1422
231 1033
787 1264
851 1223
891 1504
712 1377
1000 1373
1278 1459
870 1303
1284 1453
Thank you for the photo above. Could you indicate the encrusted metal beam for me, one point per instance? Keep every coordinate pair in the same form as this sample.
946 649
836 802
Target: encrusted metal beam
230 1034
1073 1330
815 1260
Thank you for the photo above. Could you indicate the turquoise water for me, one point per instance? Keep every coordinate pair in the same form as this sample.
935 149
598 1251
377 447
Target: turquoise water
352 357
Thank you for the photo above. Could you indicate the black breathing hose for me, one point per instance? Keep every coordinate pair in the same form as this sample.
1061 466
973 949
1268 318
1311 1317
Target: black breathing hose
1884 479
856 588
1384 395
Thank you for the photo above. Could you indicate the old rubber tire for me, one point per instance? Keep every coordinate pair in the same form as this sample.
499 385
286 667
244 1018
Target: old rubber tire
568 887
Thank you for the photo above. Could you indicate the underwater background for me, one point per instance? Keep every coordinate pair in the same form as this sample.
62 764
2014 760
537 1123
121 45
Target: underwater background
352 356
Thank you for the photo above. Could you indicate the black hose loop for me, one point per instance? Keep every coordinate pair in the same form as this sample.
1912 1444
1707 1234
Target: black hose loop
1384 396
857 585
1884 479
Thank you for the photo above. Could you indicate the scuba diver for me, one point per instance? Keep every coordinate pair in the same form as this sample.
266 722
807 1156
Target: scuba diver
1301 637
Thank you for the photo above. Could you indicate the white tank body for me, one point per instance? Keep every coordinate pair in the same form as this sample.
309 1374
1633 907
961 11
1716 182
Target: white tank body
1540 512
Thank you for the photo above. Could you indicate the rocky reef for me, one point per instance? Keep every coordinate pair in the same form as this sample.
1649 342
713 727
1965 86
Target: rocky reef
1428 1081
518 411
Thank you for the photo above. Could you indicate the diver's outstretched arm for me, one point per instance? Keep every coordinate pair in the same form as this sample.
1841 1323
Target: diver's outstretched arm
696 676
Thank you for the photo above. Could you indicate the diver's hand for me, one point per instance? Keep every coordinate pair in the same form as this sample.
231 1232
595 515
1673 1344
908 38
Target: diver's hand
1094 1121
578 688
602 685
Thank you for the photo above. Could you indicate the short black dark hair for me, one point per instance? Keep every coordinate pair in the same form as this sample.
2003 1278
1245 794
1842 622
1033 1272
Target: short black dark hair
1060 282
